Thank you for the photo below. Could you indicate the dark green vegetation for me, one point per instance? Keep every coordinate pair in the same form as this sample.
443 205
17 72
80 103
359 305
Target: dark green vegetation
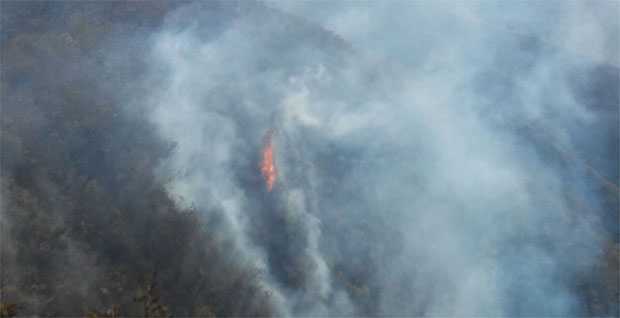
85 226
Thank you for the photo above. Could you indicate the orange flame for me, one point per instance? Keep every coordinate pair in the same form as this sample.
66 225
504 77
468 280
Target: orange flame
268 169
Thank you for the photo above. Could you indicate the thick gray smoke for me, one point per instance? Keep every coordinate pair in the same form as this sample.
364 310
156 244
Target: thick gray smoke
442 160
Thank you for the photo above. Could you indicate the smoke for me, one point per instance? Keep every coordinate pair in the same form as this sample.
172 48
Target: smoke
432 159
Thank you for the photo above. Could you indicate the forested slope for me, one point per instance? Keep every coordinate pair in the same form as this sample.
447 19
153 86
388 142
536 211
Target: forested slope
85 225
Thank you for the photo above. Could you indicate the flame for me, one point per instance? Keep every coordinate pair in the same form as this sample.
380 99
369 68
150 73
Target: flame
268 169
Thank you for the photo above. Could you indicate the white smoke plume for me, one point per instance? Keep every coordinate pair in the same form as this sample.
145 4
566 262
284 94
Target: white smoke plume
432 159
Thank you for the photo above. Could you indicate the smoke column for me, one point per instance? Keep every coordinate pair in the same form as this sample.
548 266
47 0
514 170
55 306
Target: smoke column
431 159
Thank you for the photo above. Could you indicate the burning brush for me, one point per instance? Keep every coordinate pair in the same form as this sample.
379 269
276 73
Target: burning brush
268 169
